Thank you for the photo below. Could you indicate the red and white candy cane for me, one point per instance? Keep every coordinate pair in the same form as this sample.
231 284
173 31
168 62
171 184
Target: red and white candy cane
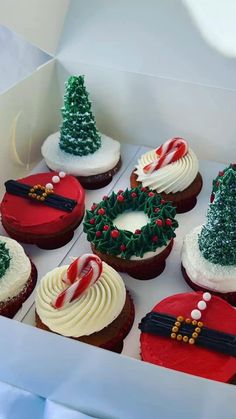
169 152
81 274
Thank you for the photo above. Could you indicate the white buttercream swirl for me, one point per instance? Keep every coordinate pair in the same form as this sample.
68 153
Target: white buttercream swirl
18 273
95 309
103 160
175 177
202 272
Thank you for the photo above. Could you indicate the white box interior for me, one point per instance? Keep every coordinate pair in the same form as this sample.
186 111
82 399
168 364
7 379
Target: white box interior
143 89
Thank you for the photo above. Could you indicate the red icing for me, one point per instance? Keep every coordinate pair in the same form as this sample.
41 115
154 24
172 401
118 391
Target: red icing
27 216
187 358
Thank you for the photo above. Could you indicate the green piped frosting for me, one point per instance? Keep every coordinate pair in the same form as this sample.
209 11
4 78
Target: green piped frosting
78 134
4 259
99 227
217 240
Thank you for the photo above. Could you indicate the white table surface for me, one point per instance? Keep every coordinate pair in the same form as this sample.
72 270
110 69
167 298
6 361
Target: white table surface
97 382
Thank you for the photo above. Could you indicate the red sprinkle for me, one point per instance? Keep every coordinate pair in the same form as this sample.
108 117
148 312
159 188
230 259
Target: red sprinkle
93 207
122 247
168 222
221 173
143 189
105 198
133 195
217 183
159 222
151 194
163 201
115 234
106 227
212 198
92 221
98 233
156 209
120 198
154 239
101 211
120 191
138 231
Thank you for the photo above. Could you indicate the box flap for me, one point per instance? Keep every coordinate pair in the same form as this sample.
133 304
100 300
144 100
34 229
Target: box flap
39 21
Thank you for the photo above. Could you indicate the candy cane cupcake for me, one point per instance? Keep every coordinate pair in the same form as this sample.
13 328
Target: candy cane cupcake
86 301
133 231
43 209
18 277
172 171
194 333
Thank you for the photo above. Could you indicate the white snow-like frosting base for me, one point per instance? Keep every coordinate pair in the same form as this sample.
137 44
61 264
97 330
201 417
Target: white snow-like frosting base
131 221
104 159
95 309
202 272
172 178
18 273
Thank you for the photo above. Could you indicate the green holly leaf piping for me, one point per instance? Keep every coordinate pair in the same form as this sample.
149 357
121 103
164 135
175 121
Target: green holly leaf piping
98 223
4 259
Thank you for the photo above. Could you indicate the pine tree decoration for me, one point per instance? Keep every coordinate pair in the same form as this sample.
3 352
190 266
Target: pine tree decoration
217 240
78 135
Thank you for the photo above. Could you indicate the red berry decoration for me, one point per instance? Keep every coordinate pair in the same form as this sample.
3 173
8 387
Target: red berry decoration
105 198
159 222
168 222
143 189
221 173
115 234
98 233
101 211
217 184
133 195
93 207
154 239
106 227
120 198
163 201
120 191
212 198
156 209
92 221
137 231
122 247
151 194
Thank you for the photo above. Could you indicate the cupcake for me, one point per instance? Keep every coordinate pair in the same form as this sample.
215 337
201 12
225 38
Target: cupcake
18 277
193 333
79 149
172 171
133 231
86 301
209 251
43 209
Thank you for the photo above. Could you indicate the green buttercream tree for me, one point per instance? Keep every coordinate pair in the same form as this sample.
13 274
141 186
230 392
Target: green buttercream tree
217 240
78 135
4 258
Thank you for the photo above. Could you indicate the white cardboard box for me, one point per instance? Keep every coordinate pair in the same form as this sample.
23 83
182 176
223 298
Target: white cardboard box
143 92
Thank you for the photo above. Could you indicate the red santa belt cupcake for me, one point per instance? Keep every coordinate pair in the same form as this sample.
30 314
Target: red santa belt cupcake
192 333
43 209
209 251
18 277
86 301
132 231
172 171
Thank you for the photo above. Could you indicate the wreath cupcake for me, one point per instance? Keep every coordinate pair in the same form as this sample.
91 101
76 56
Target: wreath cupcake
133 231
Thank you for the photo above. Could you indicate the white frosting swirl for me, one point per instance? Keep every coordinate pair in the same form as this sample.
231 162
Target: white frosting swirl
95 309
175 177
18 273
103 160
202 272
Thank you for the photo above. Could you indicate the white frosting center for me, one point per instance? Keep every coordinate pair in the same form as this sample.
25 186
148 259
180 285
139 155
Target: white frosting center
203 272
131 220
18 273
95 309
175 177
104 159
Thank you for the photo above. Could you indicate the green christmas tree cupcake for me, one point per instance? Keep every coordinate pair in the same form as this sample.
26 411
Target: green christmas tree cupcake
209 251
79 149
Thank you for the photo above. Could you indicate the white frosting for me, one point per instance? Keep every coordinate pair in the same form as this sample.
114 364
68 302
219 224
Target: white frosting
104 159
148 255
131 220
95 309
202 272
175 177
18 273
